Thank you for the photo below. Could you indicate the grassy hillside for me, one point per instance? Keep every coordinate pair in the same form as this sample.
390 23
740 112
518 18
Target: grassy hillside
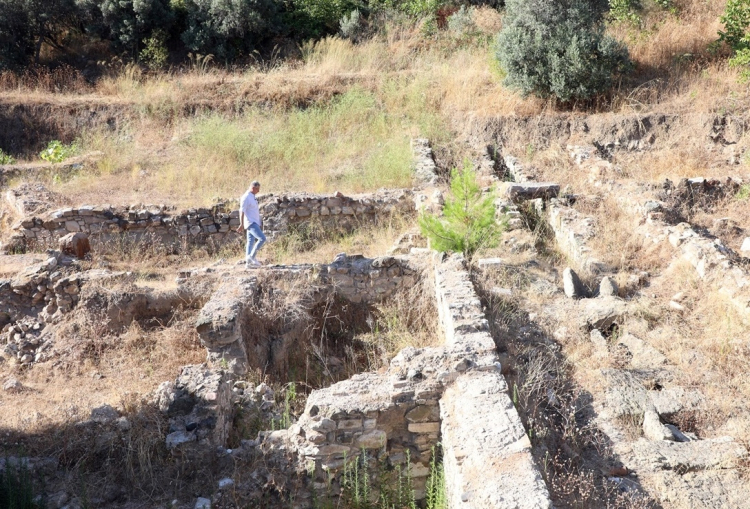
341 116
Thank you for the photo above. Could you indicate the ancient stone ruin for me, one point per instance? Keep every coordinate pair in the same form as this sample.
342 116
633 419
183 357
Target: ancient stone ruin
493 407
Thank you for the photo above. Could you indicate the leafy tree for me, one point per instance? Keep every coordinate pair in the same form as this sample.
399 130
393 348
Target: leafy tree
313 18
559 49
16 38
127 23
468 221
227 28
736 20
48 19
25 25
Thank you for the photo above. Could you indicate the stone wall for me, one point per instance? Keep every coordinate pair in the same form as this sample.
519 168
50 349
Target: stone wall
45 290
37 295
425 169
487 454
714 262
454 394
573 230
225 323
199 405
215 225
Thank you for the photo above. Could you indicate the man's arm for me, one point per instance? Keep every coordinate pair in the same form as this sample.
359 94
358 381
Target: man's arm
241 227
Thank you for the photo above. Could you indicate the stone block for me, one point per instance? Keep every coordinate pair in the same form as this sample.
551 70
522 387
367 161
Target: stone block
530 190
608 287
332 451
374 439
423 413
653 429
603 312
572 284
75 244
490 263
424 427
72 226
350 424
322 425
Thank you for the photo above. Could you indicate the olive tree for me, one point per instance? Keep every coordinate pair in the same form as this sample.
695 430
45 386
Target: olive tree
557 48
227 28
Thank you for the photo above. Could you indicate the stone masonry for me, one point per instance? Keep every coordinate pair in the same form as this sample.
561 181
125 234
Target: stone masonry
225 319
217 224
425 168
454 394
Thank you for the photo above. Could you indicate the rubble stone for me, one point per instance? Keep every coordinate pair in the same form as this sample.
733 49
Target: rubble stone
75 244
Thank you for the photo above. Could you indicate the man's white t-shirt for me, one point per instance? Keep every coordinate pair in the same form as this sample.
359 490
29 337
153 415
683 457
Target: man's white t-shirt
249 207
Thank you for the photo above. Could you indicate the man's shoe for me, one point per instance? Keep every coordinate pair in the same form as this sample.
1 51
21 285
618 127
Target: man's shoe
255 263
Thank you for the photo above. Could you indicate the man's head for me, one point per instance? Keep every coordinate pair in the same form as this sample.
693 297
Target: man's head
255 187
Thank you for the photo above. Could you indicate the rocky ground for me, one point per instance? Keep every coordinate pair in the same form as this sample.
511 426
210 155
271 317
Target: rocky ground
597 358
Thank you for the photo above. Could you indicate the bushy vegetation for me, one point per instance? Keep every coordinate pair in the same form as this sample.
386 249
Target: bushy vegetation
468 223
227 29
559 49
57 151
6 158
152 30
630 10
736 21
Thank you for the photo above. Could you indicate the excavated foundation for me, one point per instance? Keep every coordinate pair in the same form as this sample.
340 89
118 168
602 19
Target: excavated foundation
389 424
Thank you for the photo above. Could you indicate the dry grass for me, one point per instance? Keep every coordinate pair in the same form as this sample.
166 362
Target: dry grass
706 343
615 242
408 319
310 242
362 103
545 386
111 366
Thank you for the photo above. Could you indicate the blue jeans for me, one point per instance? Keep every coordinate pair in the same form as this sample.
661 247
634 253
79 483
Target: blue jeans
255 239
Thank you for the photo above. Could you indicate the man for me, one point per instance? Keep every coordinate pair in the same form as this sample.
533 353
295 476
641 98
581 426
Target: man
250 220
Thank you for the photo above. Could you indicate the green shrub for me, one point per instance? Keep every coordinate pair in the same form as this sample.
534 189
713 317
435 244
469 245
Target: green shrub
6 158
630 10
625 10
155 54
227 28
468 223
351 26
741 62
315 18
127 23
57 152
461 22
736 19
414 8
559 49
